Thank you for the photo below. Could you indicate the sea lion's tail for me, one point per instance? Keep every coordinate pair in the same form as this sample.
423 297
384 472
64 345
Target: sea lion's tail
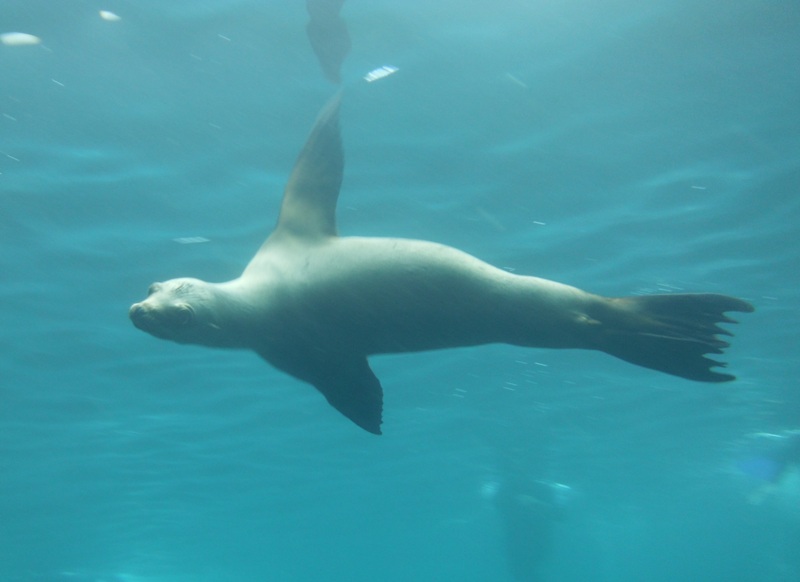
669 333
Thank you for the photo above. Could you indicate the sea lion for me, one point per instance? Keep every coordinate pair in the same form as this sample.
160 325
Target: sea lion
315 304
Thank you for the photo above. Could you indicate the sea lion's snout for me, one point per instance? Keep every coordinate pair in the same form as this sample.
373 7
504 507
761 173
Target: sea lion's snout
139 316
144 318
165 321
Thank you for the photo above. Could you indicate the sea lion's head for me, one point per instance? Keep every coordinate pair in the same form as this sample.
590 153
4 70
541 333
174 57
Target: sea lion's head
180 310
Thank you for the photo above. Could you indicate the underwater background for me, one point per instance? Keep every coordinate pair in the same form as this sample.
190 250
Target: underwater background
622 147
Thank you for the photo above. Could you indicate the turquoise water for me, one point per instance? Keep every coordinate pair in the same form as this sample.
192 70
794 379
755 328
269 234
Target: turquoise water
618 146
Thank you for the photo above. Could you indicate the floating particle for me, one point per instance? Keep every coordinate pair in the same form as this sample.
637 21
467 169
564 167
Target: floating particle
380 73
110 16
191 240
516 80
19 39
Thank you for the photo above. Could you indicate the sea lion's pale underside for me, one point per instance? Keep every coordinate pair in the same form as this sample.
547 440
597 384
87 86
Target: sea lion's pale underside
315 305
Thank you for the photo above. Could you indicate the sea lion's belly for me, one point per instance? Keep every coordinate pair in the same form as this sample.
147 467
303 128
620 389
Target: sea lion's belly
371 296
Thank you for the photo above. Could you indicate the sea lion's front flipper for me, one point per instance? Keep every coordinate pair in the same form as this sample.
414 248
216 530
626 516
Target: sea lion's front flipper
352 388
346 381
309 200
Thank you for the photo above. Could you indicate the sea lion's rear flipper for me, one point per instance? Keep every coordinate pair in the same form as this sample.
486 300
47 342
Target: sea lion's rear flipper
670 333
309 200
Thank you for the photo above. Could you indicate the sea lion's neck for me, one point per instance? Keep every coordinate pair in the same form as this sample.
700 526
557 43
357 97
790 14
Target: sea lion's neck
232 320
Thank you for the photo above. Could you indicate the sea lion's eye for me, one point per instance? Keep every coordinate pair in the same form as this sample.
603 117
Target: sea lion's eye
152 289
184 315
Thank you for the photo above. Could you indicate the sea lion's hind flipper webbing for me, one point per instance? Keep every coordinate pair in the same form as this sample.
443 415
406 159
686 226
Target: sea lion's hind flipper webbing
670 333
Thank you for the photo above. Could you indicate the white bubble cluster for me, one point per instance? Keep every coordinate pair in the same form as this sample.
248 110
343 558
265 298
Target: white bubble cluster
110 16
380 73
19 39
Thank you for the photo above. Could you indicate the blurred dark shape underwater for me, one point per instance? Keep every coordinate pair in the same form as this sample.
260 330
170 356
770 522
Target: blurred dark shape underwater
529 511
